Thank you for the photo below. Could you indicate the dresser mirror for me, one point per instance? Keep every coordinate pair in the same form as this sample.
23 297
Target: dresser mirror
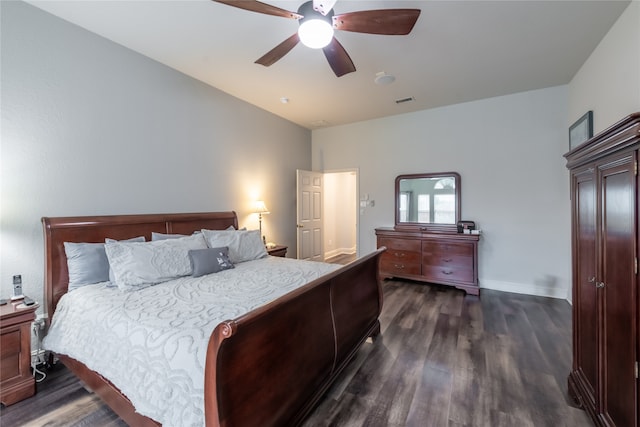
428 201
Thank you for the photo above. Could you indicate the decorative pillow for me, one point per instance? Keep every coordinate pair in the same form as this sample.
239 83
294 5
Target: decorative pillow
136 265
112 277
210 260
244 245
160 236
87 263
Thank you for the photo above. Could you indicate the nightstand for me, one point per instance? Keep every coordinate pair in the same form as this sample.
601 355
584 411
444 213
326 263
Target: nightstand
278 250
16 381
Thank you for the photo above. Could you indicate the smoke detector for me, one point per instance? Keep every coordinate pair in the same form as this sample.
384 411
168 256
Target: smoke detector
383 78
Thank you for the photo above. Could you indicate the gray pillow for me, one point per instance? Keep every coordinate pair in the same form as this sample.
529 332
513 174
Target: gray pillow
210 260
87 264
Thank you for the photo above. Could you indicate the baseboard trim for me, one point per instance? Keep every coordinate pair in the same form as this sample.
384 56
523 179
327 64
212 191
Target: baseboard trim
525 288
339 251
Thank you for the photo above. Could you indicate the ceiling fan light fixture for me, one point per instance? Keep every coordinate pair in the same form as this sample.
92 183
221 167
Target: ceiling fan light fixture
315 33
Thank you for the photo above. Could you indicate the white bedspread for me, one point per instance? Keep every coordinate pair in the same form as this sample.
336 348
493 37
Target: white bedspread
152 343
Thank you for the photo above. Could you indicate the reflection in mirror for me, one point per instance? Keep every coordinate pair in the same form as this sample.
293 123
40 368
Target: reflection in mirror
428 199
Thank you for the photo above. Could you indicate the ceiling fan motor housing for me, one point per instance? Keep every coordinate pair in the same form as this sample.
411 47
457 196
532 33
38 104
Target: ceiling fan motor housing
308 12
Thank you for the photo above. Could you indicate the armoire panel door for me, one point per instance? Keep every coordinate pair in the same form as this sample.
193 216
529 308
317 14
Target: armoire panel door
618 193
585 291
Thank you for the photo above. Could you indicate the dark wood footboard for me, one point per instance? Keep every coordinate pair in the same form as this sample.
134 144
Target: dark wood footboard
271 366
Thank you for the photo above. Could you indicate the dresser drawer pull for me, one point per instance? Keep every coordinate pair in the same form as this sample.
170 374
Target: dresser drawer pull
447 272
447 259
399 254
399 266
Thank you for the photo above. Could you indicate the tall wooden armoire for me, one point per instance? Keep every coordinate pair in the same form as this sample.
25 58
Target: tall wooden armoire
605 235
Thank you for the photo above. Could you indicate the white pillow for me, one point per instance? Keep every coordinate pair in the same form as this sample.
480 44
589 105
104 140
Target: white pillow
137 265
112 278
244 245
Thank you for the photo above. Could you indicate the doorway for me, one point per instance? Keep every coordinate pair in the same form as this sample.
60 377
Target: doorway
340 215
327 215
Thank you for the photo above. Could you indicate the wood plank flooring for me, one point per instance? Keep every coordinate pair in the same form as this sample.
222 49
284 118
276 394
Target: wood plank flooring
443 359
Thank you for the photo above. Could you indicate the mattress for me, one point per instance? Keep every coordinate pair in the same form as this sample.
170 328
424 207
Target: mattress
151 343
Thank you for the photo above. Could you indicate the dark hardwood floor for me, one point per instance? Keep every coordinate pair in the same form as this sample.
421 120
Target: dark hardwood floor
341 259
443 359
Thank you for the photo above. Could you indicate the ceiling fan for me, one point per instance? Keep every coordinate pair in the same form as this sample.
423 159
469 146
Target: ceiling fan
317 22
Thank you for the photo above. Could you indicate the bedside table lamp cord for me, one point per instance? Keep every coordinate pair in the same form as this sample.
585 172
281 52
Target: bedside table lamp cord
38 329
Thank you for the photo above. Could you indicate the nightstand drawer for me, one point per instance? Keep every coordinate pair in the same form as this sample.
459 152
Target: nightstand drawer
278 250
9 341
9 367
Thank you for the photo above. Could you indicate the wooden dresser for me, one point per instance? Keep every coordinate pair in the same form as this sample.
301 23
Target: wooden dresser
605 241
443 258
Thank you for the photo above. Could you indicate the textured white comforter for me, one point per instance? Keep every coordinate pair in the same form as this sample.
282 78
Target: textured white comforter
152 343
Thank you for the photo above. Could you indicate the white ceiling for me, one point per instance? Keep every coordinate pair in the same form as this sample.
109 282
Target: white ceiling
458 51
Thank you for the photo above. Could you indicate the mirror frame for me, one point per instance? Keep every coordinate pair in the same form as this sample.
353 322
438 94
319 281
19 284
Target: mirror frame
423 226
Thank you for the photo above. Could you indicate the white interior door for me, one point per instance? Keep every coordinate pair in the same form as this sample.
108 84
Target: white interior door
309 187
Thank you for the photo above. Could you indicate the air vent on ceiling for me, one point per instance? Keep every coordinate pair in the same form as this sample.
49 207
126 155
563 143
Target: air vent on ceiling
403 100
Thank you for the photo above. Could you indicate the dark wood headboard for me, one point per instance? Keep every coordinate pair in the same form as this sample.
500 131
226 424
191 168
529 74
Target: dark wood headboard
94 229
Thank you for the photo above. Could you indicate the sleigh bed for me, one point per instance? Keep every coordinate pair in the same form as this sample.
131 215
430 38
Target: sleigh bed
268 367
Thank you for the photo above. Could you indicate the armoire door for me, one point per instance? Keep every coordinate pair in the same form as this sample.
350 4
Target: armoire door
585 301
618 287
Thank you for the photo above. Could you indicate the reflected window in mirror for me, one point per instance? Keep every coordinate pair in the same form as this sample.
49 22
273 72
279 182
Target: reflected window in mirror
430 200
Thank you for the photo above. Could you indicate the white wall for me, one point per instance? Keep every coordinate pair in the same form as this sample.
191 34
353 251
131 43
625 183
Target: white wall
508 151
608 83
89 127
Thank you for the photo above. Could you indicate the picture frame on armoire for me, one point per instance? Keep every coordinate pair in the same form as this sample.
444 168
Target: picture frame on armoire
581 130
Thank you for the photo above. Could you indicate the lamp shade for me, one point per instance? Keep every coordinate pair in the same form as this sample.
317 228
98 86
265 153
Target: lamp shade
260 207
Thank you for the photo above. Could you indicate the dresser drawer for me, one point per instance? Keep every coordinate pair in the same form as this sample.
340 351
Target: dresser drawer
430 247
409 245
446 273
448 260
393 266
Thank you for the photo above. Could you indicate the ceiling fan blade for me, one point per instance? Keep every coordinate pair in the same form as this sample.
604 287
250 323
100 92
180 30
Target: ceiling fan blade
279 51
256 6
383 21
338 58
